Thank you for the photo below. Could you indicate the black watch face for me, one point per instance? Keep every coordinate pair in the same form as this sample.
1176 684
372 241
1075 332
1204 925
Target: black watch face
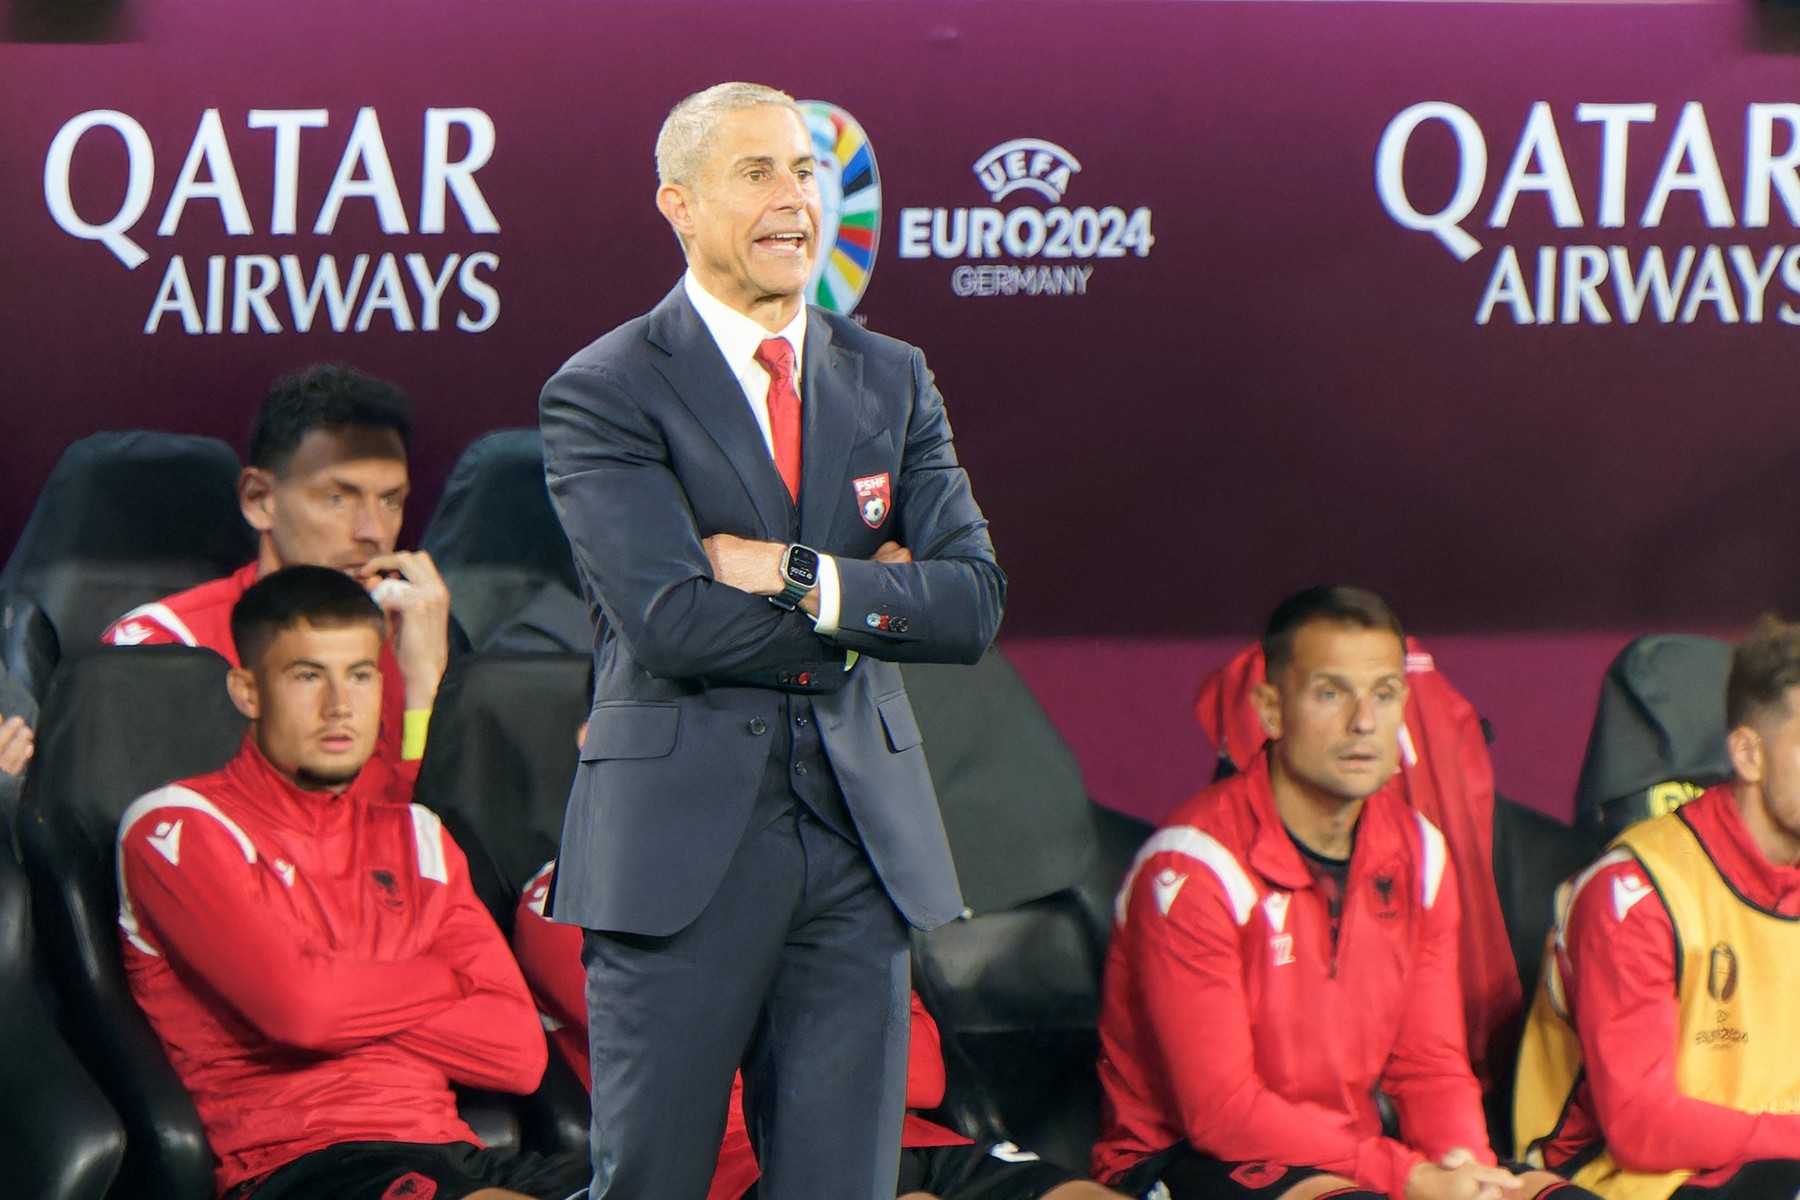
802 567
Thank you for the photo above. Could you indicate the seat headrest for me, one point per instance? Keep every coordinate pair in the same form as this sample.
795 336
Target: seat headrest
121 721
496 510
502 752
1659 730
1015 806
137 496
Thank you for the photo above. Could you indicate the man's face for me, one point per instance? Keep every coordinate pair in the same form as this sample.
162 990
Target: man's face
337 504
315 697
1334 712
1776 774
750 222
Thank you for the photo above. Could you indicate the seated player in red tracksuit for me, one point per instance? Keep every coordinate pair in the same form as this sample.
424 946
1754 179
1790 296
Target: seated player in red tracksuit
1662 1056
934 1161
306 942
1285 947
326 487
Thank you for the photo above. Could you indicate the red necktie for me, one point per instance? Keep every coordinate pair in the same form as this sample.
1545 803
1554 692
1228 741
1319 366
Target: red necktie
777 358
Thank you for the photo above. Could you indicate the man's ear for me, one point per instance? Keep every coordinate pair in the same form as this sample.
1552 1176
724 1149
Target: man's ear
1266 699
256 497
676 203
241 683
1744 745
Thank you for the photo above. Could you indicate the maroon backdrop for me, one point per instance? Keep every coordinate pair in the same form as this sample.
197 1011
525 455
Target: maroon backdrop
1291 382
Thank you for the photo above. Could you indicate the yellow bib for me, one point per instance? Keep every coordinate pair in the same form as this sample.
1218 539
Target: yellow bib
1737 982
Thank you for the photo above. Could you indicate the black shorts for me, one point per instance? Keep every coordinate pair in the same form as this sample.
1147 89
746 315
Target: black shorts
983 1171
1191 1175
417 1171
1766 1179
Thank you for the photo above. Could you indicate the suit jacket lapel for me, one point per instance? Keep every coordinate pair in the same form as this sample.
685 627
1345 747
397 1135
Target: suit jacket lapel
832 413
704 382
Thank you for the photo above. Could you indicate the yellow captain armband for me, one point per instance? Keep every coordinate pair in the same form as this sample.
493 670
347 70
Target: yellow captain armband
412 733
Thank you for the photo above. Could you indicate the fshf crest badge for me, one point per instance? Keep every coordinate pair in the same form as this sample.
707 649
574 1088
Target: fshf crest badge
873 499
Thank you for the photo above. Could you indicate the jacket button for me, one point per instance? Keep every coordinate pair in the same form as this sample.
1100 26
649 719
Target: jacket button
758 726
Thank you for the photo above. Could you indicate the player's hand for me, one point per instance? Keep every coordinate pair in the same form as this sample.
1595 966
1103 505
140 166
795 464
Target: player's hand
413 595
892 553
17 743
1468 1180
748 566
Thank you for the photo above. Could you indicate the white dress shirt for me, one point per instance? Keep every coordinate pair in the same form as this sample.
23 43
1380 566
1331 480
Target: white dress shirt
738 338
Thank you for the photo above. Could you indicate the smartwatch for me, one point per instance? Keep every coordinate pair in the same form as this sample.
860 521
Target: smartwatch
800 574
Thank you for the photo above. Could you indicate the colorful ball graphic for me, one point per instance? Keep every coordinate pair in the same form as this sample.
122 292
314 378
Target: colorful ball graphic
850 195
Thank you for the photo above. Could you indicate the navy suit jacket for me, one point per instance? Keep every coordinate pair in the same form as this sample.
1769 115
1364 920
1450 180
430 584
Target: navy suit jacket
649 447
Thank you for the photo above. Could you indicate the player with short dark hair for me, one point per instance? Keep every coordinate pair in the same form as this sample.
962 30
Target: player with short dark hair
1285 948
307 944
326 486
328 396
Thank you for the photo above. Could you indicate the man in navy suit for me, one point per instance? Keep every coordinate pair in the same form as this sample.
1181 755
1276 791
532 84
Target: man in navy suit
767 513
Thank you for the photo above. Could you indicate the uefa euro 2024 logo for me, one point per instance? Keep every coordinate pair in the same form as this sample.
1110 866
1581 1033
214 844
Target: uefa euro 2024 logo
850 200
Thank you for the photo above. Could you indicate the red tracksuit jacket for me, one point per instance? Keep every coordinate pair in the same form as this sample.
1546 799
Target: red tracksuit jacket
1230 1019
317 967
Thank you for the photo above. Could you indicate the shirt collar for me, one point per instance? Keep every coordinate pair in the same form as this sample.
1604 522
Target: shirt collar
736 335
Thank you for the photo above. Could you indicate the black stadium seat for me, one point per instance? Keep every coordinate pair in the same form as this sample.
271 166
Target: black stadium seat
1016 994
501 549
64 1142
1015 988
1533 854
124 519
1659 731
501 756
116 723
498 765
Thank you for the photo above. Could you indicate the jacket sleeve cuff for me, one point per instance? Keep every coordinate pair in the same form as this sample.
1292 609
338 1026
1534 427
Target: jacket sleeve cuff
1384 1165
413 727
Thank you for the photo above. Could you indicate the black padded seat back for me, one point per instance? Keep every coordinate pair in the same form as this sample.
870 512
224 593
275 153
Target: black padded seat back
1659 731
1117 839
117 723
495 537
1533 855
1016 994
15 701
1017 999
64 1142
125 518
1015 808
501 755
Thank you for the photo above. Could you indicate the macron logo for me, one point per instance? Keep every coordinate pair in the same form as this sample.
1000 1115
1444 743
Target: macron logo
1167 885
285 869
166 841
131 633
1627 891
1276 906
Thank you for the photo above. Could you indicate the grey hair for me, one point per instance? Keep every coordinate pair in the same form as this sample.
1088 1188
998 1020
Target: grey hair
682 143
